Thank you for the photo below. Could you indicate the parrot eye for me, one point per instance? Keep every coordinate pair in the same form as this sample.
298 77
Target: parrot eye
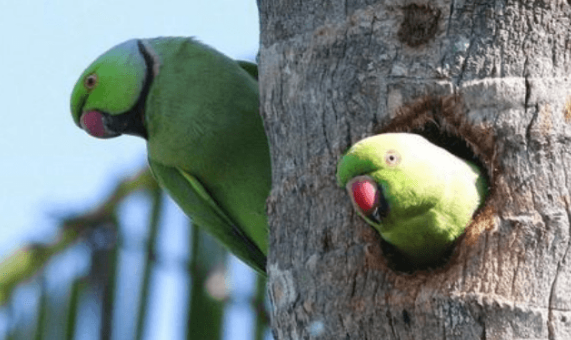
392 158
91 81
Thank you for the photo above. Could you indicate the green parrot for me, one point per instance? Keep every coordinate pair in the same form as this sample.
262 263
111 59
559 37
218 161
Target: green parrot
198 112
418 196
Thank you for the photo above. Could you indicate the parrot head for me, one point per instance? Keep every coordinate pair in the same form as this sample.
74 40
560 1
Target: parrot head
417 195
108 99
388 178
369 172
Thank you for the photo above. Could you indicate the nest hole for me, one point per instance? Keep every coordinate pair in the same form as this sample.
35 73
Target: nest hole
442 121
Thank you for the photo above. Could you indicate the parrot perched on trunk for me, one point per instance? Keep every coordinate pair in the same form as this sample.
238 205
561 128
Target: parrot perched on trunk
418 196
198 112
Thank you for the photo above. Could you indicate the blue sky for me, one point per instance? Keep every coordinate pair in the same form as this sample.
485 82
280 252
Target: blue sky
49 166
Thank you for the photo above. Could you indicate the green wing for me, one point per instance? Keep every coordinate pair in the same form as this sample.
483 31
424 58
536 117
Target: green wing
249 67
195 201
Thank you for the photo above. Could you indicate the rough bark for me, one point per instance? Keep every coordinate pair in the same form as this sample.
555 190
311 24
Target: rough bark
492 73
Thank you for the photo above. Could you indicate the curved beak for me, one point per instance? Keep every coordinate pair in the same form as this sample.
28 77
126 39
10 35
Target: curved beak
95 124
368 198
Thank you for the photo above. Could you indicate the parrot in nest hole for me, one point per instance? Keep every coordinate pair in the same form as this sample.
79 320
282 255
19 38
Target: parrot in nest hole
197 109
417 195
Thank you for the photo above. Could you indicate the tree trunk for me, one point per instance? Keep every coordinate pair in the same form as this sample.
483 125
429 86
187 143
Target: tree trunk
490 73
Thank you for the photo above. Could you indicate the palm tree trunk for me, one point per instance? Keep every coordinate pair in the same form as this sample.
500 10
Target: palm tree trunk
486 79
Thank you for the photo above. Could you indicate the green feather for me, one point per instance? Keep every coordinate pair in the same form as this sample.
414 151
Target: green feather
205 137
196 202
431 194
249 67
